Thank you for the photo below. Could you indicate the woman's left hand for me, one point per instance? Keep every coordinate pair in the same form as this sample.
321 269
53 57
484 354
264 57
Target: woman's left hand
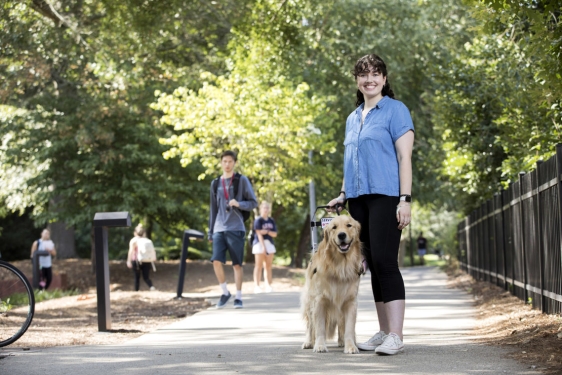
403 214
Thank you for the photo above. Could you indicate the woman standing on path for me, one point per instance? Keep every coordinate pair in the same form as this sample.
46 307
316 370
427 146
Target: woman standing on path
45 262
379 138
263 248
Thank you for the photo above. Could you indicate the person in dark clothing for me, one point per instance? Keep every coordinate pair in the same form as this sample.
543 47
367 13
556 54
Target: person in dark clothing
422 248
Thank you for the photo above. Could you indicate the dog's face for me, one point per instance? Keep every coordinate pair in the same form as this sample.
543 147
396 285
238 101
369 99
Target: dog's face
342 231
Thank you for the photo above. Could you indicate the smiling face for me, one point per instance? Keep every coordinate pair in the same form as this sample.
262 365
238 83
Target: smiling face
342 231
370 82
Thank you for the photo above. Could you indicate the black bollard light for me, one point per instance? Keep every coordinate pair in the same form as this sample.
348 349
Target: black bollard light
103 221
188 234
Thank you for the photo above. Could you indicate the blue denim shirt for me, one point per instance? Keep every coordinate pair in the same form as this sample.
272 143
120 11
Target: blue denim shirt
370 164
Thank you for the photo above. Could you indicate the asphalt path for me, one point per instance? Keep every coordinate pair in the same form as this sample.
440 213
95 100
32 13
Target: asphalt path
265 338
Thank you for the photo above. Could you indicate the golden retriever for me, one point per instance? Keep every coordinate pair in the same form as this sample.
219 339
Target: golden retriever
329 298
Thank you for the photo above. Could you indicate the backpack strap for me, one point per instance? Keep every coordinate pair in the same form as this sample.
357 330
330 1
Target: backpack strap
236 183
215 185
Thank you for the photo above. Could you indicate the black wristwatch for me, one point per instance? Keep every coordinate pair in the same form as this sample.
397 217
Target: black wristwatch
405 198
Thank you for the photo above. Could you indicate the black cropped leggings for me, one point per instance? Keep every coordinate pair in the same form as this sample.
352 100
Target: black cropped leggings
381 241
47 276
144 268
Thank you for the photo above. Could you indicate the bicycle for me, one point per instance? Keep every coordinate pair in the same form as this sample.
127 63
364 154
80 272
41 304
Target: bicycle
17 303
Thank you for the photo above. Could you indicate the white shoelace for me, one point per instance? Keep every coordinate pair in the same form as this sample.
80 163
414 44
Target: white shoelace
392 340
379 335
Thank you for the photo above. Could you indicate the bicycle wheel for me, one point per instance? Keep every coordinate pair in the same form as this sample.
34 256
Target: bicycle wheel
17 304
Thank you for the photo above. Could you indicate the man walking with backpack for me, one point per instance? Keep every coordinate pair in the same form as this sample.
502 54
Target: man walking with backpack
232 199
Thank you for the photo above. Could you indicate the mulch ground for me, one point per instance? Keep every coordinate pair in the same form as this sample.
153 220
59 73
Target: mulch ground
504 320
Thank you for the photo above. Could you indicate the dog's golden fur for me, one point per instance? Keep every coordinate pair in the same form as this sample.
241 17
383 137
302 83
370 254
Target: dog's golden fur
329 298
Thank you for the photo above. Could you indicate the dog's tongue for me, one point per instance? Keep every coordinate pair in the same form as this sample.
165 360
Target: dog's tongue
344 246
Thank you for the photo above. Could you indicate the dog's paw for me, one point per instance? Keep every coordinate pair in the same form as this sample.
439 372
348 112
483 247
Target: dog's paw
320 348
307 345
351 349
341 344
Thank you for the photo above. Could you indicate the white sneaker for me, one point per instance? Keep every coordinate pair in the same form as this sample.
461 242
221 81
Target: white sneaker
373 342
391 345
268 289
152 288
257 290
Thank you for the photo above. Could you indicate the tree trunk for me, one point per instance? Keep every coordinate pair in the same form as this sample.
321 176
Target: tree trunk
63 237
304 243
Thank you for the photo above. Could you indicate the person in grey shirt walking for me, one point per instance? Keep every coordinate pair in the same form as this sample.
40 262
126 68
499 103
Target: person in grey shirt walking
231 194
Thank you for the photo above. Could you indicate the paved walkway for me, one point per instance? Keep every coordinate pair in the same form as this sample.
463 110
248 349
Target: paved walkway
265 338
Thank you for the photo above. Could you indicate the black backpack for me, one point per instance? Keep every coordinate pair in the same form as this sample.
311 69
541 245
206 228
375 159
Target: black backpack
235 184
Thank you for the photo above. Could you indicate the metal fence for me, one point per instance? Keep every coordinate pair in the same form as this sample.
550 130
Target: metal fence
514 239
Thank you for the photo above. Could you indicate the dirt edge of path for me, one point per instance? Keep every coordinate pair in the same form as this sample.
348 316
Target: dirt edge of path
533 338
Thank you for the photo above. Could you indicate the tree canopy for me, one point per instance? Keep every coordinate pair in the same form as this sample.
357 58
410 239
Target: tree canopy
126 105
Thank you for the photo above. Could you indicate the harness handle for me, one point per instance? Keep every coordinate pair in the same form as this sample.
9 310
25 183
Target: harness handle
314 223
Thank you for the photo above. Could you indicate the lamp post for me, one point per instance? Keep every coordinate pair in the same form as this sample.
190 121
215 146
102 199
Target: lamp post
188 234
103 221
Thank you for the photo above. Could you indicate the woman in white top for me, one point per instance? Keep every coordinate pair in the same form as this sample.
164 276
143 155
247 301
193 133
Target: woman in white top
45 262
133 262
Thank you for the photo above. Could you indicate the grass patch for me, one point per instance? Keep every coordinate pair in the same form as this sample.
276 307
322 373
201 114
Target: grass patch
19 299
431 260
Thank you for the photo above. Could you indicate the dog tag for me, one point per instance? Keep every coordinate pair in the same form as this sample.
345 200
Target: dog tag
325 221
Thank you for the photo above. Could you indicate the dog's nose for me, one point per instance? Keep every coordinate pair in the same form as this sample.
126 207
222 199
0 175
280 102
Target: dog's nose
342 235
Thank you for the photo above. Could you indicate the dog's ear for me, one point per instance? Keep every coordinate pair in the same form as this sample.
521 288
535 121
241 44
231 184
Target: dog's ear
357 227
326 235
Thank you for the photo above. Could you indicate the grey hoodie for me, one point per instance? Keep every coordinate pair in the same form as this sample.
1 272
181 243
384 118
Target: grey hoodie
219 219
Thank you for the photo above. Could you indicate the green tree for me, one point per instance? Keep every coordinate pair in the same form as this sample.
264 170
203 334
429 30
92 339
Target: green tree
77 79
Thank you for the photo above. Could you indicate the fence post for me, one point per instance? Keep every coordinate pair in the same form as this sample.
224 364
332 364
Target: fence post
494 237
522 228
539 235
505 283
559 184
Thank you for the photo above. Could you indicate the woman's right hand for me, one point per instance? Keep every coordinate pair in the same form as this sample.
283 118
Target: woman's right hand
339 200
129 264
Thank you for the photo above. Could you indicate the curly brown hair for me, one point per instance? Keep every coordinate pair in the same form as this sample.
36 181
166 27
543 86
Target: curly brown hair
371 63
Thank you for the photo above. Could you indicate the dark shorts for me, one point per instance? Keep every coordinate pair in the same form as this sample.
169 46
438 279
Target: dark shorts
231 241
